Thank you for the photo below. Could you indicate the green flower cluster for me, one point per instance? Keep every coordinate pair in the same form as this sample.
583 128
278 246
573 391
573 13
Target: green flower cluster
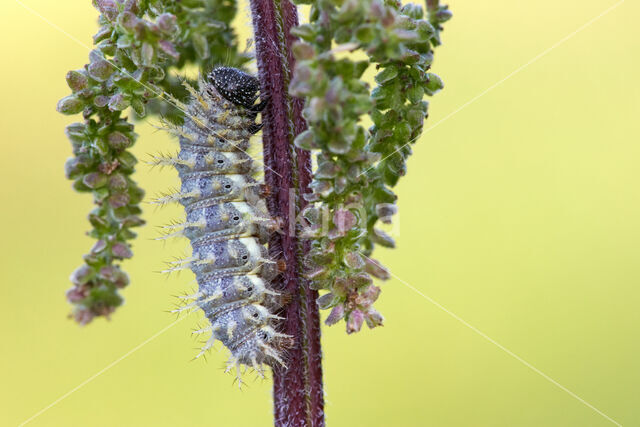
356 168
137 42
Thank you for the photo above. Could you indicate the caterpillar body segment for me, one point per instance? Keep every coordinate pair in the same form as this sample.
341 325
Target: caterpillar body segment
227 221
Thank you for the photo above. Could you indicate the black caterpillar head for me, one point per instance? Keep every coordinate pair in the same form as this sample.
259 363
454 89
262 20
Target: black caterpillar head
235 85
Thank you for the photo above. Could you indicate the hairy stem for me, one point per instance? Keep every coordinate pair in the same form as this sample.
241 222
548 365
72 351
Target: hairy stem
297 389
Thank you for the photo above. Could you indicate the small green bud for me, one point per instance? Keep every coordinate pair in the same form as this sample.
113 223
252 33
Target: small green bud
98 221
339 144
168 48
385 211
315 110
70 105
167 23
94 180
117 182
348 11
327 301
121 250
365 33
76 132
305 140
415 94
114 275
413 11
107 47
138 106
336 315
360 279
373 318
72 168
341 287
75 166
124 41
305 32
81 275
76 294
326 170
312 214
101 145
354 321
156 73
434 83
340 184
118 200
342 35
118 140
410 56
100 70
303 50
402 132
354 172
383 239
314 276
132 221
415 117
108 8
118 102
99 246
406 35
127 160
344 220
103 33
79 186
354 261
101 101
321 188
136 194
425 30
101 194
147 53
443 14
201 45
128 21
77 80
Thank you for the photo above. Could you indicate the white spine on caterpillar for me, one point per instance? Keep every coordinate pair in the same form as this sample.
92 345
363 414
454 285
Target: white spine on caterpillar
227 220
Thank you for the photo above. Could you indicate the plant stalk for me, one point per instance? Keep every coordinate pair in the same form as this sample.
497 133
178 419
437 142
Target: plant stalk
297 389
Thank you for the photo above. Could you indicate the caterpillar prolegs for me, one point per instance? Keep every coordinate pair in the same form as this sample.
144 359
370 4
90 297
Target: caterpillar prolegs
227 220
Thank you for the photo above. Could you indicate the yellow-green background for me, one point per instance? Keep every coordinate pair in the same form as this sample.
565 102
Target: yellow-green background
520 214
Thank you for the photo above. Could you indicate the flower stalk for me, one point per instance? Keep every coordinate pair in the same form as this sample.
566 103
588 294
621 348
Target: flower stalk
357 167
136 45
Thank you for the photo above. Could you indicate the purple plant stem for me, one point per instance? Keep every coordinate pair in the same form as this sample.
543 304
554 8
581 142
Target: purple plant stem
297 389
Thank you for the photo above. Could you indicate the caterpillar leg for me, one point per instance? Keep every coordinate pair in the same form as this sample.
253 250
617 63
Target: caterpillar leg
261 105
255 128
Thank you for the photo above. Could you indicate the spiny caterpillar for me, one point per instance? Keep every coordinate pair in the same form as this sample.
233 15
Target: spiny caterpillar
227 220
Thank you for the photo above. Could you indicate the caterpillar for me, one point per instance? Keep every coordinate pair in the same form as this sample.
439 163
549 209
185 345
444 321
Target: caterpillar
227 220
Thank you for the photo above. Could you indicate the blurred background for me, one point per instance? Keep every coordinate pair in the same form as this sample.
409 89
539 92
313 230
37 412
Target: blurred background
520 216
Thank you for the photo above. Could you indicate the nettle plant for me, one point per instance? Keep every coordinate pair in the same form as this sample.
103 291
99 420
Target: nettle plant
267 235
